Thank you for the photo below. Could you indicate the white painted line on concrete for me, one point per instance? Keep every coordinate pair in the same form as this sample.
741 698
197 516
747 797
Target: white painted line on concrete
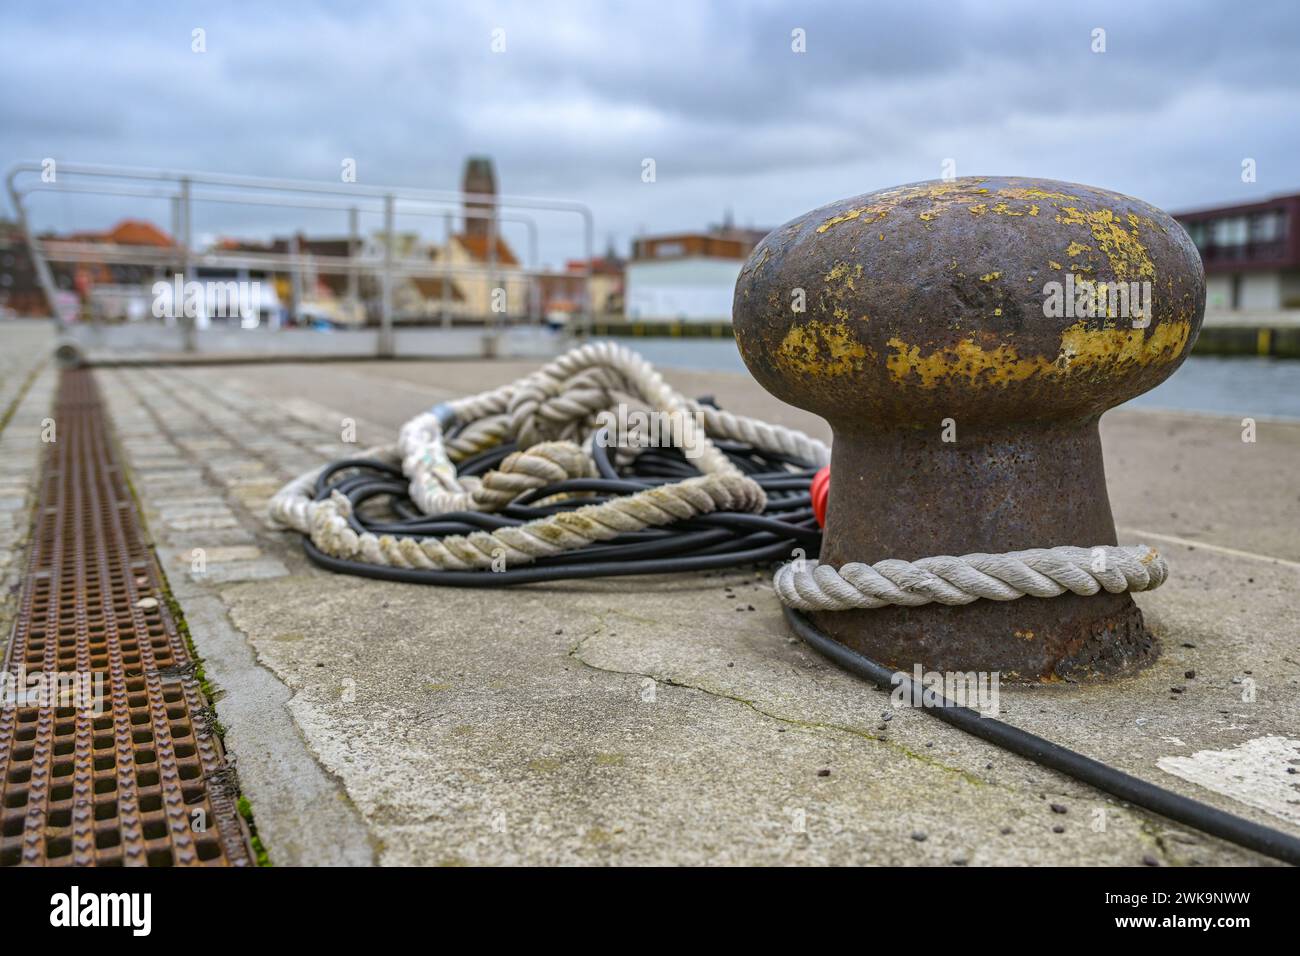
1204 415
1254 773
1217 548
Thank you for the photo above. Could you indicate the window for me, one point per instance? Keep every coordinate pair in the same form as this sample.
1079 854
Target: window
1268 226
1229 231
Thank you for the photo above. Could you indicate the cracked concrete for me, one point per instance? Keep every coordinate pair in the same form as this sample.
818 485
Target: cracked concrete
486 745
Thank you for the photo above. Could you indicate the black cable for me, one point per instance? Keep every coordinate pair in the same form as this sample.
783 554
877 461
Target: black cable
535 573
716 540
487 460
1192 813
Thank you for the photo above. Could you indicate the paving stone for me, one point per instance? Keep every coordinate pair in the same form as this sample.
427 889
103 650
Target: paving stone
202 522
227 572
217 554
187 540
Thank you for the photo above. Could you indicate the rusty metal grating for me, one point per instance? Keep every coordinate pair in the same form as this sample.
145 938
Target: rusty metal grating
144 782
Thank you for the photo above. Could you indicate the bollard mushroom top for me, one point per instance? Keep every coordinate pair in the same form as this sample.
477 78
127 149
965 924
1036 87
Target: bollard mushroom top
983 298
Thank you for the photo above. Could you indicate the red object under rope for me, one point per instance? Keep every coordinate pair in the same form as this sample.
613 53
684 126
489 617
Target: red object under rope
821 486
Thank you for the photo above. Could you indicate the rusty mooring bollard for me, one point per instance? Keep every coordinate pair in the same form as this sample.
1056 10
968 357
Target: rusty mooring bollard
963 338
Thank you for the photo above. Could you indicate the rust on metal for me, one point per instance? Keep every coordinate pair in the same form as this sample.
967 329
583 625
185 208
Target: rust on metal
141 779
890 314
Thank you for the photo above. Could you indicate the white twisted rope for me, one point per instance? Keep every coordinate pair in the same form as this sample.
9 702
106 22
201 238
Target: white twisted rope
521 472
549 412
331 532
292 505
1040 572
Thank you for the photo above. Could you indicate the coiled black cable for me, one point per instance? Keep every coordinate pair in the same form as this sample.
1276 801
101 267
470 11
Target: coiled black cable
787 528
706 542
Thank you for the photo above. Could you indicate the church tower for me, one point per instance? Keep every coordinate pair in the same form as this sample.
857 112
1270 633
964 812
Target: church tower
479 178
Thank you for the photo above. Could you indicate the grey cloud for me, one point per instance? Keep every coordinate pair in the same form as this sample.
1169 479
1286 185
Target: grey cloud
711 91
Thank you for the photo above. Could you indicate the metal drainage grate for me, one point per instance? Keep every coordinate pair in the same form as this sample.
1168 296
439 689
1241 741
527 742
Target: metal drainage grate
144 781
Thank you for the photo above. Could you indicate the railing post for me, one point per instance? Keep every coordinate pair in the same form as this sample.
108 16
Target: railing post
175 265
187 321
354 251
297 295
588 244
490 320
534 284
386 300
44 278
444 287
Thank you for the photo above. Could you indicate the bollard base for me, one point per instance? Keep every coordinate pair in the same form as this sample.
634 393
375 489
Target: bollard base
904 493
1030 640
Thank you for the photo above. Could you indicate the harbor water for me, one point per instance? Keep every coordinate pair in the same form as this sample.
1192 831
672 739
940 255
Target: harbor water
1246 386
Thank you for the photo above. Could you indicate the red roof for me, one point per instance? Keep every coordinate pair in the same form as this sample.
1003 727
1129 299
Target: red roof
477 247
600 266
431 288
128 232
138 232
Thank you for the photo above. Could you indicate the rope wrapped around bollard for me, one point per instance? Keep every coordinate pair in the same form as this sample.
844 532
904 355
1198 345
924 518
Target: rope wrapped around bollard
1040 572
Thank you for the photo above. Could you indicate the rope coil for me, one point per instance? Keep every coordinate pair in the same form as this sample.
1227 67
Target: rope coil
545 414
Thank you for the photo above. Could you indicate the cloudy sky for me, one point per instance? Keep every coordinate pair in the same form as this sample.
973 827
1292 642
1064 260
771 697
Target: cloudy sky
582 94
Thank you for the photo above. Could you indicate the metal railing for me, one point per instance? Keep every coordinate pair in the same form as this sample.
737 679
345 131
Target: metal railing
186 189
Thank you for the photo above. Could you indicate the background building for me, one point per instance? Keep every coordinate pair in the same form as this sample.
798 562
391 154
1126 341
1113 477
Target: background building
108 290
601 279
1251 253
690 276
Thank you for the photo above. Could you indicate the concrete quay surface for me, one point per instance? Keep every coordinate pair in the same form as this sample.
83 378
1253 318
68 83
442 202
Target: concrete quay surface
673 719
